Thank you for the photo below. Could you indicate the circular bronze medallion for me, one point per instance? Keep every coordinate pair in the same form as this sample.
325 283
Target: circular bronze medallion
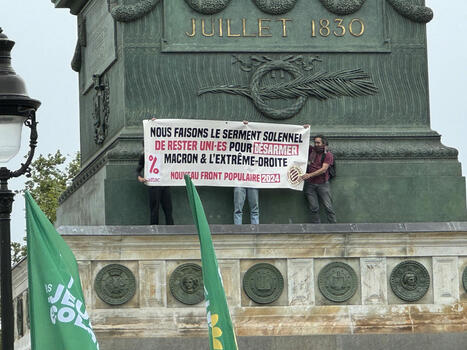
263 283
186 284
410 280
337 282
115 284
464 279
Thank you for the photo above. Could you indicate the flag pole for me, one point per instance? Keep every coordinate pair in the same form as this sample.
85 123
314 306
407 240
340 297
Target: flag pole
221 330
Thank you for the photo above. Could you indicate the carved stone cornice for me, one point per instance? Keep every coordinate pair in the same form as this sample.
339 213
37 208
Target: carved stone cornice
77 58
208 7
342 7
389 148
128 13
275 7
75 6
416 13
83 176
125 149
125 152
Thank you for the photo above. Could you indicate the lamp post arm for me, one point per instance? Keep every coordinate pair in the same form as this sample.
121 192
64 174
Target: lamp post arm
32 124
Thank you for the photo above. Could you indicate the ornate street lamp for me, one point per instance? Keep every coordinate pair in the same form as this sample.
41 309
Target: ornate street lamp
16 109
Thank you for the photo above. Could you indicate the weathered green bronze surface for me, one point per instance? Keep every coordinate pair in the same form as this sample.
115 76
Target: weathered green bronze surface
98 39
186 284
337 282
410 280
263 283
261 61
115 284
320 85
252 26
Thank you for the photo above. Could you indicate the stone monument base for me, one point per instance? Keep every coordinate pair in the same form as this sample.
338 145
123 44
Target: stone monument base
345 286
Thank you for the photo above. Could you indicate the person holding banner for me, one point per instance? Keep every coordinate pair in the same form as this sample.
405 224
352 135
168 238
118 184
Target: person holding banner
240 194
158 195
317 180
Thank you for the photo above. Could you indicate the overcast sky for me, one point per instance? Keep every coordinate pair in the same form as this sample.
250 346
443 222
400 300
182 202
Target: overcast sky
45 40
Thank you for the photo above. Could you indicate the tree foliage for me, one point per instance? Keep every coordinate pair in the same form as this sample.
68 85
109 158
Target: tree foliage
18 252
49 179
50 176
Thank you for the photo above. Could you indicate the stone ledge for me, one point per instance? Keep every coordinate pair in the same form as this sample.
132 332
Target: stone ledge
454 226
446 341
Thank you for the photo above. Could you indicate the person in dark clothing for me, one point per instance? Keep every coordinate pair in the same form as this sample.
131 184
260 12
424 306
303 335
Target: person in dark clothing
316 179
158 195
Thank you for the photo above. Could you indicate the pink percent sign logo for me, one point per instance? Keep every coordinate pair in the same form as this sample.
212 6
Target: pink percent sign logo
153 168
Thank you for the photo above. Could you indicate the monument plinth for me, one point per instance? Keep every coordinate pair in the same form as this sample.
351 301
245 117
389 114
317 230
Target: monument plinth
323 287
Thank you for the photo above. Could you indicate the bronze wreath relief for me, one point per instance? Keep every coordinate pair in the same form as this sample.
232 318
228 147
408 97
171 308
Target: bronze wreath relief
321 85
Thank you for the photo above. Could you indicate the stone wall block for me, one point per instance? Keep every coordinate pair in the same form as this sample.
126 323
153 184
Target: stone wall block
445 280
230 270
300 278
87 284
373 281
152 284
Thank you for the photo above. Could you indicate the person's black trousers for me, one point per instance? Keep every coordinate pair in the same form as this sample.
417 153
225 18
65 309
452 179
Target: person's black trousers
160 195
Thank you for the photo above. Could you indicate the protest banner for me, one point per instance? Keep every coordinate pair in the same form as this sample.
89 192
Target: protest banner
225 153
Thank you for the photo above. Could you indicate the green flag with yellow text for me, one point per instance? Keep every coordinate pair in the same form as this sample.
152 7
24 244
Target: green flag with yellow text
58 316
221 331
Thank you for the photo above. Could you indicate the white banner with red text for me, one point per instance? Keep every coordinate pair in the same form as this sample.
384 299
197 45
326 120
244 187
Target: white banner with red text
225 153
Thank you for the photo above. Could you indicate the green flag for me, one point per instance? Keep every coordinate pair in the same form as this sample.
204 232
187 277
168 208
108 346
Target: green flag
58 316
221 331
